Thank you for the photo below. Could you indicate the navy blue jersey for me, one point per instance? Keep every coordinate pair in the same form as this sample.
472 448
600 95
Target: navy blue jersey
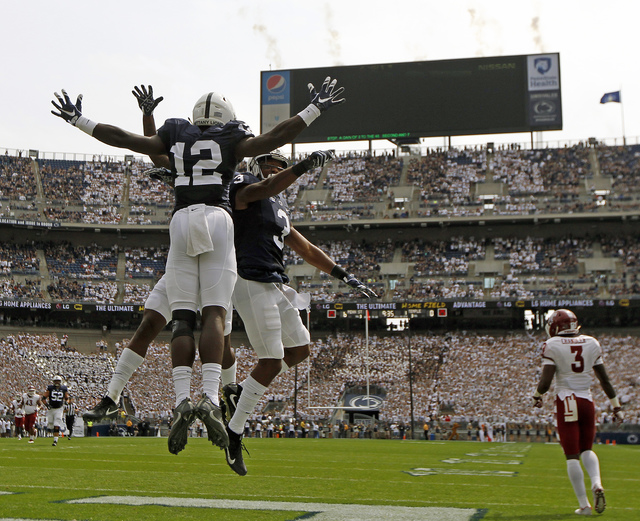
259 234
56 395
203 161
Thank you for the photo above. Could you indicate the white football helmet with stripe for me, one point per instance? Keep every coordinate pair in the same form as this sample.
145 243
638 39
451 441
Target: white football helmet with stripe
212 109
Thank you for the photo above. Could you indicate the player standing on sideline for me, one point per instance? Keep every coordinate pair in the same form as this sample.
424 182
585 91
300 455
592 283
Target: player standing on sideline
267 306
201 261
54 399
18 415
31 401
70 409
570 356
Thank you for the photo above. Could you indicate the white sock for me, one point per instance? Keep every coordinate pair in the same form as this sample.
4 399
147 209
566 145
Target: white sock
211 381
228 375
182 382
576 476
592 466
284 368
252 391
127 364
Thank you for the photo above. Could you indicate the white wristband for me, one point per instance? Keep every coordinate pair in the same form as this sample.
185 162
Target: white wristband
86 125
614 401
309 114
537 394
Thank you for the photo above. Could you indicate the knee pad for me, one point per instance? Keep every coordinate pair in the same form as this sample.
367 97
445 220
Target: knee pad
183 323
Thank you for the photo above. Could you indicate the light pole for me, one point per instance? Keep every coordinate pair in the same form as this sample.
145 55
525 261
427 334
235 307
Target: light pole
410 373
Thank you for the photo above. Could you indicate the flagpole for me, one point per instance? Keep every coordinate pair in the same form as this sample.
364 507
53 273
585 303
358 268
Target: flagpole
624 135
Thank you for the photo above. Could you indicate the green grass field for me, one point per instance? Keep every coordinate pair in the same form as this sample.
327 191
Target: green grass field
137 478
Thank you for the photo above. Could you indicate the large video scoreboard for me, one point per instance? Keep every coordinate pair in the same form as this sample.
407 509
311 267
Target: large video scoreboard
502 94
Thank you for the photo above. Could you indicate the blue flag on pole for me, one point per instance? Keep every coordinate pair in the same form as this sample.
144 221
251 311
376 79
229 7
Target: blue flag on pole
611 96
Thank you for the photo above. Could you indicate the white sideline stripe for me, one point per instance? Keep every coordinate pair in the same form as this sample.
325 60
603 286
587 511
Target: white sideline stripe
323 511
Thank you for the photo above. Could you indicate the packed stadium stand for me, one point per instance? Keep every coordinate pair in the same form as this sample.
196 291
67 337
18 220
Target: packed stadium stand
475 232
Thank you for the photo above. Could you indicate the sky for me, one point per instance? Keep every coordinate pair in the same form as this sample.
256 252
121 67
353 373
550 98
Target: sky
189 47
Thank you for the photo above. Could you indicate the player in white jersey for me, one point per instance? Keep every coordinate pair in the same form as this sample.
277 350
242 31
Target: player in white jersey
31 401
570 357
18 415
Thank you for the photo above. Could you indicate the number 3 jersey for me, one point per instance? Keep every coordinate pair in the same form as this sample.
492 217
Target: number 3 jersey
259 232
203 161
574 357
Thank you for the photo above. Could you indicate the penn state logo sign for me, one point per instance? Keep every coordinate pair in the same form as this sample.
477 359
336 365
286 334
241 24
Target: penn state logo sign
366 402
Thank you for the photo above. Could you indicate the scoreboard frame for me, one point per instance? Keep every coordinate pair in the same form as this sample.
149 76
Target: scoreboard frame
395 101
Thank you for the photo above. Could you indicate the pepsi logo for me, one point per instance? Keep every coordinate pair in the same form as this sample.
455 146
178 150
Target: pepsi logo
276 84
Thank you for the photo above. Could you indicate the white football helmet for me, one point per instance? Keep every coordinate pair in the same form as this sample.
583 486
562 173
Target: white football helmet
212 109
31 391
57 380
254 164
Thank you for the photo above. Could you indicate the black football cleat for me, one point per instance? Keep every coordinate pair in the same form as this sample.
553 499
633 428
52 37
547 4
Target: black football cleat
107 408
211 415
183 416
231 395
234 453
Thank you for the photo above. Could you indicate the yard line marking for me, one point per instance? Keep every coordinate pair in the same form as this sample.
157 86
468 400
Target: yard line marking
315 511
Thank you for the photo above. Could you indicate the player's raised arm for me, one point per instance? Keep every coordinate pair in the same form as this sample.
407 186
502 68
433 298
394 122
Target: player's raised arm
147 104
286 131
108 134
318 258
274 184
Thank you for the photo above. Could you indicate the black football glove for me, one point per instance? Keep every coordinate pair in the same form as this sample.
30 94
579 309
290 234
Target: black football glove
161 174
146 102
67 110
327 97
318 158
359 286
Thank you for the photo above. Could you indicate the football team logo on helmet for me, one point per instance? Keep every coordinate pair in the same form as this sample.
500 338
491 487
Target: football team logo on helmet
562 320
276 84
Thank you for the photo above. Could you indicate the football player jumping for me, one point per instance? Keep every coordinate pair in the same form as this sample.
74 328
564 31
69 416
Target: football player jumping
201 265
570 357
267 306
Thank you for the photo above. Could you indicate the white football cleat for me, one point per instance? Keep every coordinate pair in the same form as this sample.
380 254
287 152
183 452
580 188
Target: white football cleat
598 500
584 511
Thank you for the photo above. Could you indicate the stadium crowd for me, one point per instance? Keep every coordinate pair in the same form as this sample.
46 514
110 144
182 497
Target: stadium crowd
355 186
469 377
522 267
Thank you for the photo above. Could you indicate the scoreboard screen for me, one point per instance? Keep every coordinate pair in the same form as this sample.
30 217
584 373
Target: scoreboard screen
471 96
